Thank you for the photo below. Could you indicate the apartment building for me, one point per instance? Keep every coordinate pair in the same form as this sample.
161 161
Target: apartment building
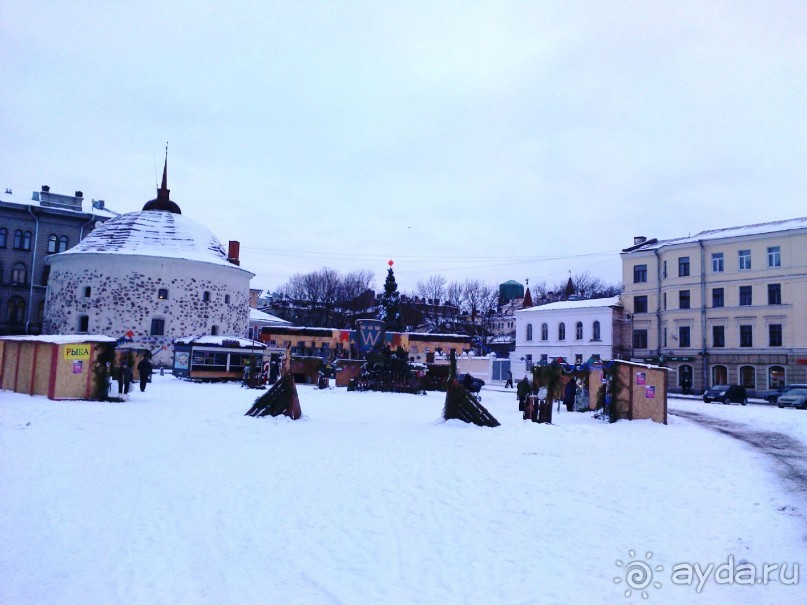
726 306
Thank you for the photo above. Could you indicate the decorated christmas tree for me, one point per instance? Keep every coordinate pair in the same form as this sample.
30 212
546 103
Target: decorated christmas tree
390 310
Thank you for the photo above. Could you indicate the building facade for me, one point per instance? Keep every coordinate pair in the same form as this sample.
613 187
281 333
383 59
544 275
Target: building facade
726 306
571 330
30 231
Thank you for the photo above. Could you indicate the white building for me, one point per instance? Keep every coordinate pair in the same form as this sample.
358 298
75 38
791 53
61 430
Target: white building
574 330
150 277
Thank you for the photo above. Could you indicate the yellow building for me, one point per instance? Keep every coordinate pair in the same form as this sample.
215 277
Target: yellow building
727 306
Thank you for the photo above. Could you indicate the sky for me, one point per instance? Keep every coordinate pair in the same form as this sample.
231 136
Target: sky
485 140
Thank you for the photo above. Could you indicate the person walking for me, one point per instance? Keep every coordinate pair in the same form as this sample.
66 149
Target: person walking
124 378
522 390
569 393
509 383
145 369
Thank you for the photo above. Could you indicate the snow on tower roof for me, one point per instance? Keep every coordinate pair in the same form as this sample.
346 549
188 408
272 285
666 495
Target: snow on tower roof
153 233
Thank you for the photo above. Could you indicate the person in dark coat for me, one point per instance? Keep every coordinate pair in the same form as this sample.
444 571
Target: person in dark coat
522 390
569 393
509 383
144 368
124 378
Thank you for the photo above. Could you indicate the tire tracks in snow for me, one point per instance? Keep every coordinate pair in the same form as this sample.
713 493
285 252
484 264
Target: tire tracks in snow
788 454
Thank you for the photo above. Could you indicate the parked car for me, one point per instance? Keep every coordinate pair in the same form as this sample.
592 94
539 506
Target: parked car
794 398
774 396
474 385
726 393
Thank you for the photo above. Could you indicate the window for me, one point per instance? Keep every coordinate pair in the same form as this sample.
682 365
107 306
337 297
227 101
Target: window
745 296
775 335
664 336
718 299
578 359
748 377
640 339
578 331
16 310
595 330
226 299
640 304
205 296
19 274
53 243
664 300
776 377
745 259
664 270
529 331
684 337
683 266
683 299
720 375
3 236
83 323
774 294
22 240
746 336
45 275
639 273
774 256
717 262
544 358
718 336
562 331
162 293
544 331
87 292
214 331
685 378
40 312
157 327
62 243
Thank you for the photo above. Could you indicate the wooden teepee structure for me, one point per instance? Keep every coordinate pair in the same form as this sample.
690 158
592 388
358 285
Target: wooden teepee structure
281 399
460 404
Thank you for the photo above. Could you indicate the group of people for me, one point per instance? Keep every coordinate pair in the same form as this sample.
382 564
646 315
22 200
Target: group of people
125 374
524 390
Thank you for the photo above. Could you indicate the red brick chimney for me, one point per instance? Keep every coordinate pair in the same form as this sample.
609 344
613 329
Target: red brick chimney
234 252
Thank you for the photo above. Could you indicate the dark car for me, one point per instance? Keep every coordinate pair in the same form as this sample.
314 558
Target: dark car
726 393
474 385
793 398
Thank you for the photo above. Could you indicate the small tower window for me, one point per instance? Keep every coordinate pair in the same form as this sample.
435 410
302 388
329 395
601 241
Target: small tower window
227 299
87 292
83 323
205 296
157 327
214 331
162 293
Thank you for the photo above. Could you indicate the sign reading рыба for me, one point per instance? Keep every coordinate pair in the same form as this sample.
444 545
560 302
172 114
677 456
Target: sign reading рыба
77 351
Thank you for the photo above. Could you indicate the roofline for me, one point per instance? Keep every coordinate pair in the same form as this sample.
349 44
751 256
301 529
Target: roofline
67 254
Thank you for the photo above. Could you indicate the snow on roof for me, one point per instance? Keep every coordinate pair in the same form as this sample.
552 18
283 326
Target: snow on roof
589 303
62 339
725 233
153 233
244 343
259 316
9 196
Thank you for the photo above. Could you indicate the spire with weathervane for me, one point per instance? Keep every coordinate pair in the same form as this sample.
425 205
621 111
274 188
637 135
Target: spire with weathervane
162 203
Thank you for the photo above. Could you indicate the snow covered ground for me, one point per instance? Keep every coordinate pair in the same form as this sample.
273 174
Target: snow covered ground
177 497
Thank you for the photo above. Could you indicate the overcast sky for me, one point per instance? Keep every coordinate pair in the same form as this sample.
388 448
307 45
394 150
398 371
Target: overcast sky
494 140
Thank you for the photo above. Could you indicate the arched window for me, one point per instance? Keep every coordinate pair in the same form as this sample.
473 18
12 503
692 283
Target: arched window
19 274
748 377
544 331
18 239
562 331
776 377
3 236
529 331
720 375
53 243
595 330
578 331
22 240
62 243
16 310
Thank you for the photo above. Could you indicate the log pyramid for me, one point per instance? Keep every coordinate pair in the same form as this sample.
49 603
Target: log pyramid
279 400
